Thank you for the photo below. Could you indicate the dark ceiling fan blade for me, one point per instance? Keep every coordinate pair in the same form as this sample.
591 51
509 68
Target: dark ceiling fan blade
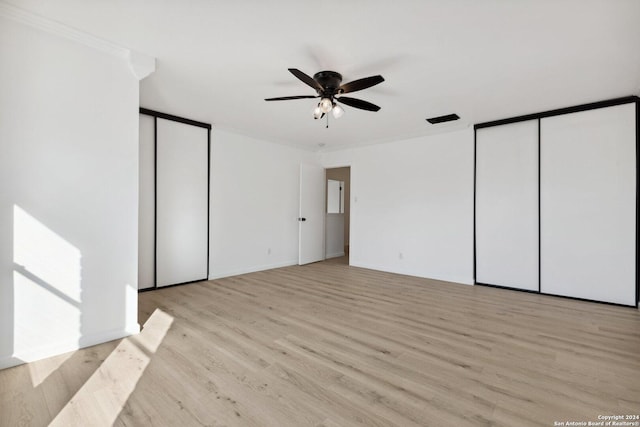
286 98
360 84
306 79
358 103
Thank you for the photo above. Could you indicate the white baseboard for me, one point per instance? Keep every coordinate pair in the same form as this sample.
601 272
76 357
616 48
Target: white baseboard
387 269
94 339
9 362
54 349
221 275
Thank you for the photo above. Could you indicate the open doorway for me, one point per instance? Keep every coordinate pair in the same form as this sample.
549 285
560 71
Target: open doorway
338 186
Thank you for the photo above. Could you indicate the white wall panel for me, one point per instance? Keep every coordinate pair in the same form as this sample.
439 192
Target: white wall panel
182 198
412 205
507 205
68 195
146 202
588 204
255 188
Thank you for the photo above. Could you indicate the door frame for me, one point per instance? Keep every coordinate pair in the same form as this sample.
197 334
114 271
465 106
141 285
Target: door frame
351 202
160 115
561 111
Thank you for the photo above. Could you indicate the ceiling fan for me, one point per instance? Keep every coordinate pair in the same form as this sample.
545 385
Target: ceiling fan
329 89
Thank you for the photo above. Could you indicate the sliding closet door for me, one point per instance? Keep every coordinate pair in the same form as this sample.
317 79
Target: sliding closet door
507 205
182 203
588 204
146 203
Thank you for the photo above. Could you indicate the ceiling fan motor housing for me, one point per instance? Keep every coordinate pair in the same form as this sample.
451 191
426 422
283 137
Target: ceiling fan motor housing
330 81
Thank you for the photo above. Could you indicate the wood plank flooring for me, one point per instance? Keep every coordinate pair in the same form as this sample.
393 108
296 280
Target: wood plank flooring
331 345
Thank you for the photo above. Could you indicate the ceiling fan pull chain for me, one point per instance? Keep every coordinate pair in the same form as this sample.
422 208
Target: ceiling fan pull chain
327 122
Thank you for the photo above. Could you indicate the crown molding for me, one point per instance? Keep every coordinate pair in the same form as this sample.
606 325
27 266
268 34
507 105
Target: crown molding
141 65
45 24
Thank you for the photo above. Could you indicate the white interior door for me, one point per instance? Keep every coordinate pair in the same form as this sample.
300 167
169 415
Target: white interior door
507 205
182 203
311 218
588 204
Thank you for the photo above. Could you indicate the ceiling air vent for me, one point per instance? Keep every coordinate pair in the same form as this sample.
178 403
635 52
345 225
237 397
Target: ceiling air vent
442 119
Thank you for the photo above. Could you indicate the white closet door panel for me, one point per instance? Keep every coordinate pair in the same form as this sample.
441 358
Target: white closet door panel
146 201
182 197
588 204
507 205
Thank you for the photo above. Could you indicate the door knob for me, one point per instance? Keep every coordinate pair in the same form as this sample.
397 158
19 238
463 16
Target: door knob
302 219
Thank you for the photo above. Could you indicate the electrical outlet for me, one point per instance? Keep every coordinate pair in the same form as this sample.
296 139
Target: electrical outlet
400 255
269 251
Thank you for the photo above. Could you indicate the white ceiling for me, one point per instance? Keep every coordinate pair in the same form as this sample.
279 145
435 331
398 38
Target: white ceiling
482 59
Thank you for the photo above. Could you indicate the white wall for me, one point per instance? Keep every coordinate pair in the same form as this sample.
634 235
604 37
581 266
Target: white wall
412 205
68 195
254 204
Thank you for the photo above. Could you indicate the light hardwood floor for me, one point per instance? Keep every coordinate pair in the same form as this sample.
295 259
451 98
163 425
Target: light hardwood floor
332 345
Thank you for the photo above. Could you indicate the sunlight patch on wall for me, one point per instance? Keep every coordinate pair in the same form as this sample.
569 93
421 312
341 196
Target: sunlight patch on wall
47 288
131 310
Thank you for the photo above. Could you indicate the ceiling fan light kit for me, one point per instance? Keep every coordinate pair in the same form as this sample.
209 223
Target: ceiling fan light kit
329 89
326 105
317 112
337 111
